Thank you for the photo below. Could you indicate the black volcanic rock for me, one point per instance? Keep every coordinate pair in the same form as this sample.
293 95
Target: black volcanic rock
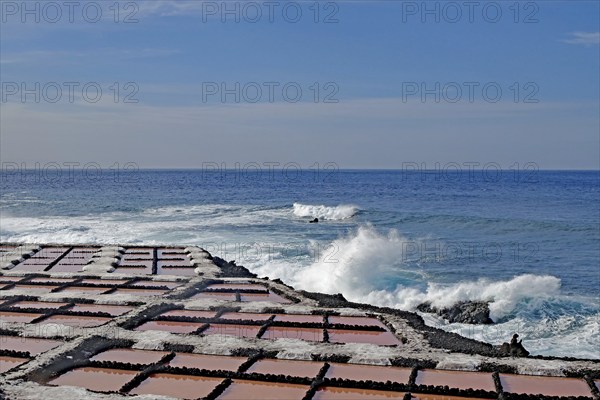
468 312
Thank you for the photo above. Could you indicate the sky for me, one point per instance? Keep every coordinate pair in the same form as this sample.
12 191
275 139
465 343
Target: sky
362 84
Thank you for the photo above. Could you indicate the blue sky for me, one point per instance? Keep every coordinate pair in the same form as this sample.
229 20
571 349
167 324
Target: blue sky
368 61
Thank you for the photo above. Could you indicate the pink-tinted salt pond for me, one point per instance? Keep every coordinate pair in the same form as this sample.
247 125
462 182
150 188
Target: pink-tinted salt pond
34 346
545 385
34 288
456 379
361 321
97 379
75 321
232 330
236 286
67 267
110 309
140 292
338 393
241 389
185 262
33 266
280 332
374 373
84 289
318 319
132 356
352 336
189 313
136 257
169 326
180 386
246 316
204 361
133 270
273 297
21 317
178 271
7 363
215 296
308 369
136 263
167 284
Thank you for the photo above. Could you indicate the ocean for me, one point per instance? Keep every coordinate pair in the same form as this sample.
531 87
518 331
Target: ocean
526 241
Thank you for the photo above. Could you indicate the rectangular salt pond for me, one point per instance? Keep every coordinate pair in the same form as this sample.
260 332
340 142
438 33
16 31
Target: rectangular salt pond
179 386
132 356
75 321
32 266
215 296
109 309
338 393
353 336
140 292
456 379
317 319
305 369
20 317
85 289
35 288
280 332
171 253
241 389
174 263
232 330
361 321
376 373
178 271
169 326
236 286
34 346
204 361
246 316
133 270
97 379
7 363
546 385
189 313
167 284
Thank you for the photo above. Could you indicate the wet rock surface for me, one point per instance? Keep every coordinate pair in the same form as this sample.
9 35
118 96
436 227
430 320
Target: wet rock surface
470 312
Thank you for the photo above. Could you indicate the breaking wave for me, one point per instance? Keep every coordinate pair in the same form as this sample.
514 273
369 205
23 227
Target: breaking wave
343 211
370 267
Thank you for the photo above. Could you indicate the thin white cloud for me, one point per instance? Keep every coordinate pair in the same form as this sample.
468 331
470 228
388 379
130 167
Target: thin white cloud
583 38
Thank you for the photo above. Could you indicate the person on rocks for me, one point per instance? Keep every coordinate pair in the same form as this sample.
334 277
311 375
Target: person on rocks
516 347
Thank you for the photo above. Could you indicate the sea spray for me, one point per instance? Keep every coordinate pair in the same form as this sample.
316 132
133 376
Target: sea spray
343 211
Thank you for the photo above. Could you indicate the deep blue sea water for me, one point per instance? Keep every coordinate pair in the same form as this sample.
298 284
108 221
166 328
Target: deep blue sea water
528 241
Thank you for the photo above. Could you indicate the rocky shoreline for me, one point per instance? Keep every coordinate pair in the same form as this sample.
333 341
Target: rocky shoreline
212 292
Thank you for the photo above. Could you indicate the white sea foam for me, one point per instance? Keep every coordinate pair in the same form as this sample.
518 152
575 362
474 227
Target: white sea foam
342 211
362 264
